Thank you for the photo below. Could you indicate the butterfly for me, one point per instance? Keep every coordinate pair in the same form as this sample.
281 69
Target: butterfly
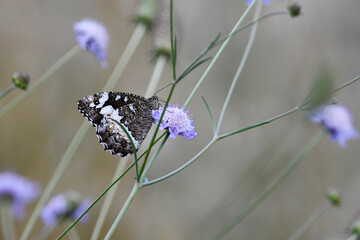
132 111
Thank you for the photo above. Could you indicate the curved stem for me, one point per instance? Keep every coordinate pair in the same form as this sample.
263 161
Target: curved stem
122 211
6 91
272 186
241 66
325 205
43 79
218 55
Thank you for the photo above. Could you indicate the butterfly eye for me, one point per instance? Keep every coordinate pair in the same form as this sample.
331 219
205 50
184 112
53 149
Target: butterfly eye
97 102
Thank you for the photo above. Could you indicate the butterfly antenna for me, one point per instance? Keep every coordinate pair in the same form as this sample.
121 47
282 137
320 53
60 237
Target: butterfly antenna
162 88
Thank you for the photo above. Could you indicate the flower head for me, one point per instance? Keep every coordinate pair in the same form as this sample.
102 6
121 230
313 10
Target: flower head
337 121
176 121
92 36
18 191
21 80
66 206
266 2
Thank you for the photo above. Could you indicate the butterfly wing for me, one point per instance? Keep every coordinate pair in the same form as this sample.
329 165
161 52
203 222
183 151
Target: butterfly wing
132 111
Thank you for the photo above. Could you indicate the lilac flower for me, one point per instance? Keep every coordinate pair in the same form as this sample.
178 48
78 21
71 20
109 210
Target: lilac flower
93 37
337 121
176 121
18 191
63 207
266 2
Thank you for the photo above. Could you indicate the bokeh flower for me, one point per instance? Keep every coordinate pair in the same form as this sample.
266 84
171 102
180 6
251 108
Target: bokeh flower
17 191
176 121
266 2
337 121
63 207
92 36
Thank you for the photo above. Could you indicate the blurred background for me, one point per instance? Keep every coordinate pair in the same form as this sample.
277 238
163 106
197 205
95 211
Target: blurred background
286 57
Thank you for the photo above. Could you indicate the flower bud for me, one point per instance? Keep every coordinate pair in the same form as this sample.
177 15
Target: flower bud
355 228
333 196
294 9
146 12
21 80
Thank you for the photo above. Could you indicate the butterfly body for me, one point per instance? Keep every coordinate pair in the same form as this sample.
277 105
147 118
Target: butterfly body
132 111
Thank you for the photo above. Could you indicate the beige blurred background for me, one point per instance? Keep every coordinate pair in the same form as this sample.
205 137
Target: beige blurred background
198 202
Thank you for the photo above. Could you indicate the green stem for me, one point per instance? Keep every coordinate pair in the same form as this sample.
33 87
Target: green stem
43 79
295 109
6 91
122 212
345 84
241 66
214 140
272 186
7 221
218 55
80 134
147 168
325 205
108 199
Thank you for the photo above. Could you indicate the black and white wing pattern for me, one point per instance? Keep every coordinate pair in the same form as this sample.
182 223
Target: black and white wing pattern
132 111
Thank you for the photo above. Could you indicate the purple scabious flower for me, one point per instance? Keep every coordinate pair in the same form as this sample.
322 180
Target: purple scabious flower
176 121
337 121
18 191
266 2
92 36
62 207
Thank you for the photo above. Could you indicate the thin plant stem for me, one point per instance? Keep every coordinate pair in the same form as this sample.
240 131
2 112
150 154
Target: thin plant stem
214 60
345 84
43 79
158 70
147 168
324 206
272 186
80 134
7 221
241 66
214 140
7 91
123 210
108 199
159 67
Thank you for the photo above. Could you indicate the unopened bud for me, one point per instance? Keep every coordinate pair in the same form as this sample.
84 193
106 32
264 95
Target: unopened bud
294 10
146 12
21 80
355 228
333 196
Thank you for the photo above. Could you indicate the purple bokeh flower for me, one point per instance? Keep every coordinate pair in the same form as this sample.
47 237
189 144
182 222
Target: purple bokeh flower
18 191
266 2
337 121
62 207
92 36
176 121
